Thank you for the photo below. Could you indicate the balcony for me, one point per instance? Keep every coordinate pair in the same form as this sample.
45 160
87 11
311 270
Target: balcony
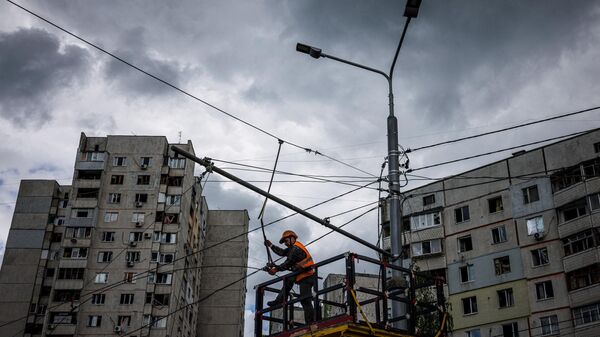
87 183
574 226
585 295
89 165
580 260
85 203
386 243
569 194
68 284
61 329
73 263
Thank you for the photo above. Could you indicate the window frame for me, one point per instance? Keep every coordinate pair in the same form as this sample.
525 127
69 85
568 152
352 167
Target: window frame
459 212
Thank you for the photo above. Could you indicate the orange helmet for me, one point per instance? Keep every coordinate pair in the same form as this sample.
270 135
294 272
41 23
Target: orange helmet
287 234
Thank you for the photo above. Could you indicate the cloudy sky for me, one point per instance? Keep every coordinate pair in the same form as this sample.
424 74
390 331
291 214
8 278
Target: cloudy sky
465 67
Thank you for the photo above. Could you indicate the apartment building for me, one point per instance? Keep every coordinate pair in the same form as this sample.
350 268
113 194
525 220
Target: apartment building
119 251
516 240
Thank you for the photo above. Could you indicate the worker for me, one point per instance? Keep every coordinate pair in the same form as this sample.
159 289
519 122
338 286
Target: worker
297 258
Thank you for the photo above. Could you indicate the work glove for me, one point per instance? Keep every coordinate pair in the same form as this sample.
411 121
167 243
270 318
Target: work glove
268 243
272 271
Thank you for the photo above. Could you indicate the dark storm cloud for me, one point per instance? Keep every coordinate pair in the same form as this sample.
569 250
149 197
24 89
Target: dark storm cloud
33 67
134 51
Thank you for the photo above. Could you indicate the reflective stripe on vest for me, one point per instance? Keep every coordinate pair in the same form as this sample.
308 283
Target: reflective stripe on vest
306 263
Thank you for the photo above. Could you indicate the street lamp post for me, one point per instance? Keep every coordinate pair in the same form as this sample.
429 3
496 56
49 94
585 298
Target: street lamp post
411 11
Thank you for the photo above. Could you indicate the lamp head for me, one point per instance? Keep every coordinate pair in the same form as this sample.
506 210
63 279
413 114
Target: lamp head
306 49
412 8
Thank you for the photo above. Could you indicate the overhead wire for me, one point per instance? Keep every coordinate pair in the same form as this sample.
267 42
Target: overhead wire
504 129
262 209
496 151
182 91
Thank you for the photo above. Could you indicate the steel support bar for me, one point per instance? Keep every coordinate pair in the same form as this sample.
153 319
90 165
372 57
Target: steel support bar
209 165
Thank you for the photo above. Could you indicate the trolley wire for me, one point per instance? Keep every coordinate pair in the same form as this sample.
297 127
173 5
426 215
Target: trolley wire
504 129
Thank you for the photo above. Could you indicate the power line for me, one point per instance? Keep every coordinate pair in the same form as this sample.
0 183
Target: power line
494 152
504 129
186 93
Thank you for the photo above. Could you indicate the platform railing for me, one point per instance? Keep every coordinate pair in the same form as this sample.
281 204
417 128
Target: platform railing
379 298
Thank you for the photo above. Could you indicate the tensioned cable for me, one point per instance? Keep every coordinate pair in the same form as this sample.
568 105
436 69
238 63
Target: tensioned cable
502 130
494 152
186 93
262 209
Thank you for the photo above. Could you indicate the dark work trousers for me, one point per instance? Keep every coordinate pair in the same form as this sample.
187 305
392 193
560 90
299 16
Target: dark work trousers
306 285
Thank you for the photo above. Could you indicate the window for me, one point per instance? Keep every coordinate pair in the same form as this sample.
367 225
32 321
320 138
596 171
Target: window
70 273
596 147
530 194
160 278
135 236
174 181
75 253
63 318
177 162
126 299
88 193
56 237
510 330
170 218
143 179
583 277
425 220
168 238
469 305
120 161
108 236
101 278
123 320
173 199
591 168
166 258
574 210
581 241
66 295
461 214
565 178
129 277
161 299
138 217
78 232
495 205
133 257
499 234
50 272
94 320
111 216
154 321
505 298
114 198
502 265
473 333
104 257
535 225
587 314
429 199
154 257
141 197
594 201
59 221
539 257
467 273
92 156
145 161
89 174
116 179
427 247
549 325
544 290
465 244
82 213
161 197
98 299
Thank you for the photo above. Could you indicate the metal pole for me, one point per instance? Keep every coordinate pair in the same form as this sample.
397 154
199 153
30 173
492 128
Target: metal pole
209 165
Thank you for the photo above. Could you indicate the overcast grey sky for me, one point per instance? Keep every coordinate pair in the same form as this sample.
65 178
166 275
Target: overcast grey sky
465 67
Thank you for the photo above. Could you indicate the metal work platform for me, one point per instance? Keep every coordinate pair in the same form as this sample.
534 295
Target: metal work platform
349 308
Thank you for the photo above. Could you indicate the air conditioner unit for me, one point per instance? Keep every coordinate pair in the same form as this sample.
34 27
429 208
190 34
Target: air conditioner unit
130 264
138 224
144 166
73 240
139 204
147 235
117 329
539 236
133 243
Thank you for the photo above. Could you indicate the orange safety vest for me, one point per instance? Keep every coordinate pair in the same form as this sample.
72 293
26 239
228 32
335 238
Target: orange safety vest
305 264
